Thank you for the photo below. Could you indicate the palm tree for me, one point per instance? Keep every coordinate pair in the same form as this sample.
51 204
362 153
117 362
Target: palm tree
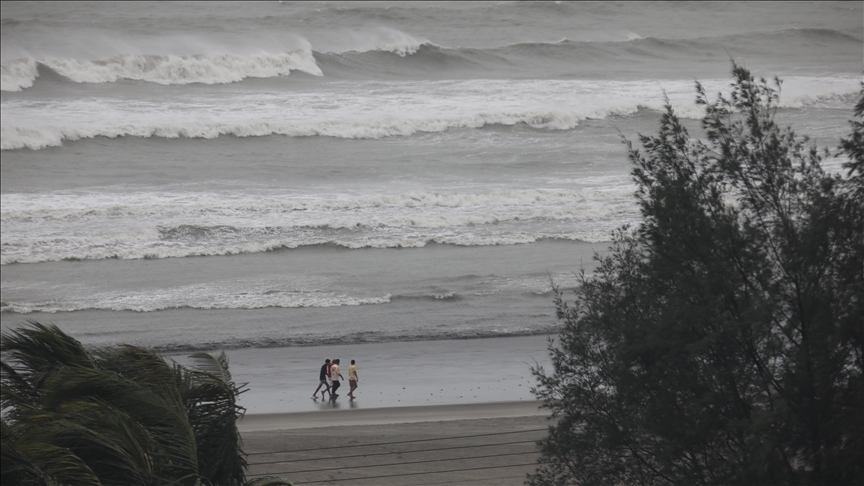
119 416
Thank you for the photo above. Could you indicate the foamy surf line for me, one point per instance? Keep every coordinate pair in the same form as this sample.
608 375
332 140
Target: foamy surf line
300 342
600 232
38 137
260 294
155 303
91 206
155 225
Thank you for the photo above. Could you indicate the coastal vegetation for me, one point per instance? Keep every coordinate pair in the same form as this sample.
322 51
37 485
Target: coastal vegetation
116 416
721 341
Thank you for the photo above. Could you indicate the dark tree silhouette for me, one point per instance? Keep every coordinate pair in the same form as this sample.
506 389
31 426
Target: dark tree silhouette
721 340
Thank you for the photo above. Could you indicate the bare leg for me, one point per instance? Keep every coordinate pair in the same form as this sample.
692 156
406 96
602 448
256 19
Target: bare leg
326 389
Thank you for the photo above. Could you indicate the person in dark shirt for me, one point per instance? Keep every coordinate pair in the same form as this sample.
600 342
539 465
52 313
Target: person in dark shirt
322 380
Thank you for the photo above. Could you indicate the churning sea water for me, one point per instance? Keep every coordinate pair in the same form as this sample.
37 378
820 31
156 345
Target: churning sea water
201 175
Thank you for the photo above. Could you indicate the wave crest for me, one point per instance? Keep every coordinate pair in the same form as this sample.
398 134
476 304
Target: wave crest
563 118
154 303
15 137
167 70
18 74
388 40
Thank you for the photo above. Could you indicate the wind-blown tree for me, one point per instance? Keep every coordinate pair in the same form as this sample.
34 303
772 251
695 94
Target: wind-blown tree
117 416
720 341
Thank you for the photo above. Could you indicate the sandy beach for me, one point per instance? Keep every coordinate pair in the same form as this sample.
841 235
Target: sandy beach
431 412
485 443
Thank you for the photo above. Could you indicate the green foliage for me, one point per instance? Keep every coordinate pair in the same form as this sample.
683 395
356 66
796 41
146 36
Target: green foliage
119 416
721 341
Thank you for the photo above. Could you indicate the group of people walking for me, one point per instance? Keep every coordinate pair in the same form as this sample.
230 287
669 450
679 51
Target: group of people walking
331 379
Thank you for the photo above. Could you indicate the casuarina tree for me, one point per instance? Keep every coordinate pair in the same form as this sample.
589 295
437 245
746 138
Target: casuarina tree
721 340
116 416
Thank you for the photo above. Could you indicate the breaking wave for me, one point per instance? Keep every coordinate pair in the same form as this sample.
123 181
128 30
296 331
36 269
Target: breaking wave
413 56
349 338
145 303
80 249
168 70
16 137
562 118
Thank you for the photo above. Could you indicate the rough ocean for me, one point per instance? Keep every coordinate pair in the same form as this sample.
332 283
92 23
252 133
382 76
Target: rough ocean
239 175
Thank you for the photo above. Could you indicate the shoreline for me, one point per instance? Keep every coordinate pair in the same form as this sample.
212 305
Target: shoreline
391 375
336 417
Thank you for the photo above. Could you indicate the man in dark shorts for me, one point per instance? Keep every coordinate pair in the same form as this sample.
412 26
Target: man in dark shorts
335 376
322 379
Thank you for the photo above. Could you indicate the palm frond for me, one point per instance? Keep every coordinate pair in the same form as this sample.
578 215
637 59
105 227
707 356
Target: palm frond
116 416
14 388
15 468
211 401
40 463
41 348
97 436
217 365
153 404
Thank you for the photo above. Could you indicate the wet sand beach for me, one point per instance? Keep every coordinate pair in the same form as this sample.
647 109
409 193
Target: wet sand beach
403 374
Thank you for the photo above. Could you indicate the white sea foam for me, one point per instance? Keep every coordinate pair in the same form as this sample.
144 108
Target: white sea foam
796 92
37 228
212 67
101 248
206 69
49 136
163 69
385 39
17 74
291 291
372 110
219 295
22 206
121 247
